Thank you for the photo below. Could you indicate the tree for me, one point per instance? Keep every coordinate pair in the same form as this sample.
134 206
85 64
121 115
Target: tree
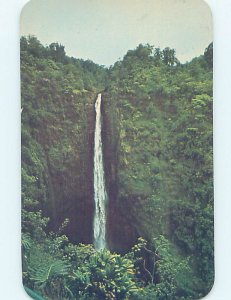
208 54
57 52
169 57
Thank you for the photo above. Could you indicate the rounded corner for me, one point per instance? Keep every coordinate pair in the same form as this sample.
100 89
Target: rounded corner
26 291
211 288
31 294
208 7
22 10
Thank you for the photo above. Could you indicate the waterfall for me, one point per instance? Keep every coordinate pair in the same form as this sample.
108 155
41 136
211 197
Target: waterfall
100 194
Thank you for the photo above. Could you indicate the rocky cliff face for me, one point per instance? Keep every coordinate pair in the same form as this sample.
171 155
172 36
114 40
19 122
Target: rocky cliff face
63 144
72 185
121 231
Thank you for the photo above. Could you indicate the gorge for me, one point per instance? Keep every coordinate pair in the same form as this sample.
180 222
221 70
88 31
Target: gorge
110 155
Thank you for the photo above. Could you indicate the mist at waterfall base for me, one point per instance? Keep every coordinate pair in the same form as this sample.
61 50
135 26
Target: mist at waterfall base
100 194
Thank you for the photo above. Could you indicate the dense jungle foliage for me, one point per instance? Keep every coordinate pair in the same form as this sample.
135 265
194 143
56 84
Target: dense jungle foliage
162 124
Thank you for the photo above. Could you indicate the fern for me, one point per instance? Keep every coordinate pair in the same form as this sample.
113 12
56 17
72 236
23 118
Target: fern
26 242
46 273
50 277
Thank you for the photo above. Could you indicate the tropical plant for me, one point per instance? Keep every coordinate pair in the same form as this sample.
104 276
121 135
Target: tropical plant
49 277
106 276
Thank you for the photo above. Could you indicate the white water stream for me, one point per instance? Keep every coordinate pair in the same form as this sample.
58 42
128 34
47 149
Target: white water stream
100 194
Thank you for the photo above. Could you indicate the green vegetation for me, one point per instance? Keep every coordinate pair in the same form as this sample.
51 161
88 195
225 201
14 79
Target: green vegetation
161 133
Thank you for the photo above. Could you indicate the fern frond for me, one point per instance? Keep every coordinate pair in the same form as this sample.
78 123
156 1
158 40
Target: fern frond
26 242
47 272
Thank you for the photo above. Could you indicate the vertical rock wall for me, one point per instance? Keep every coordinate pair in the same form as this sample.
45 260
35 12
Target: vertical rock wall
70 172
121 232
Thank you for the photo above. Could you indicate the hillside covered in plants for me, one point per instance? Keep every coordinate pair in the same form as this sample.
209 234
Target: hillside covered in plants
157 145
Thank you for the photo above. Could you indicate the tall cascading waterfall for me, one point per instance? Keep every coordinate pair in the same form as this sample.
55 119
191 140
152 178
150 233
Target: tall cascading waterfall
100 194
